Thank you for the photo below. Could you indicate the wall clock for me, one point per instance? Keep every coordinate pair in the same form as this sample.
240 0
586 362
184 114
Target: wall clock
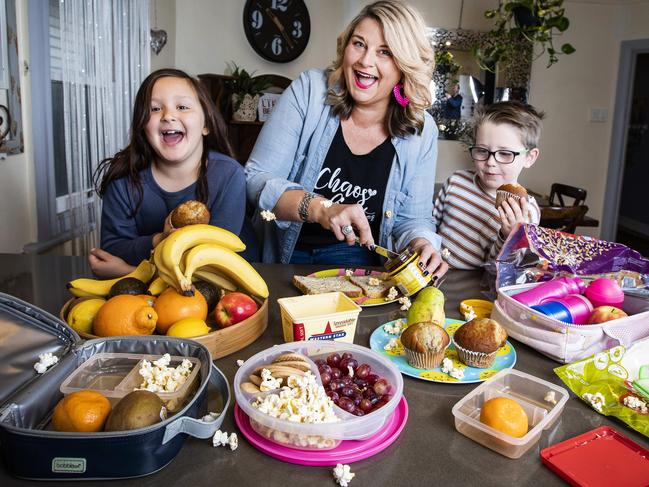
278 30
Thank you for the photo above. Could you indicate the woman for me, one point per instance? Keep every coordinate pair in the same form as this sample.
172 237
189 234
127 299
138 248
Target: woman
358 136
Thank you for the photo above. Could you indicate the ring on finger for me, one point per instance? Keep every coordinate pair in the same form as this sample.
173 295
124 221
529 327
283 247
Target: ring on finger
346 229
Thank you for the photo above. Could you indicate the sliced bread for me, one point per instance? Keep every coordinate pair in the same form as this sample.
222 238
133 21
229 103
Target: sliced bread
379 290
319 285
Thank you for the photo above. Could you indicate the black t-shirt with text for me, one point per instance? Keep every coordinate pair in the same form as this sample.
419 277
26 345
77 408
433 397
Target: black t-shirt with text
347 178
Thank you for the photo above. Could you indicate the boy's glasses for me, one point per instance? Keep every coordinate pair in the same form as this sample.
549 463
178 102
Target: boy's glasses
501 156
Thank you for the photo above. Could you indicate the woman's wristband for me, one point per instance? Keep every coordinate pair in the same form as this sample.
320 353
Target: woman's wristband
303 207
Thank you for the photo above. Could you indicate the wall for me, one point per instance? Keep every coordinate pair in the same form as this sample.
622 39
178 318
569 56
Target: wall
17 193
163 16
210 34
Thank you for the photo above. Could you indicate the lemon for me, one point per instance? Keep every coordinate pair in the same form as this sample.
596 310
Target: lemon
82 314
188 328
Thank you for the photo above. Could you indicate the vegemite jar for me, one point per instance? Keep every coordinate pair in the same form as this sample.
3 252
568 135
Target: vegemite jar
406 274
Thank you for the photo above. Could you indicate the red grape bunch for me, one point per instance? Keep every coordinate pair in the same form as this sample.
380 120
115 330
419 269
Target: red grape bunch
359 393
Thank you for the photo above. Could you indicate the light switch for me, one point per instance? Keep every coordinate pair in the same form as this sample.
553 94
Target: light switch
598 115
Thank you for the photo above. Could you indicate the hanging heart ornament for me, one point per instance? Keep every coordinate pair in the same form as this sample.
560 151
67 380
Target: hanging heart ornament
158 40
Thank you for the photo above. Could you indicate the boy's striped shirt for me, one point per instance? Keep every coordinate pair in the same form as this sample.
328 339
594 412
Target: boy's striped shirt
468 222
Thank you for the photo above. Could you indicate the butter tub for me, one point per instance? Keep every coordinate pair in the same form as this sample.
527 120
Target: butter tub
329 316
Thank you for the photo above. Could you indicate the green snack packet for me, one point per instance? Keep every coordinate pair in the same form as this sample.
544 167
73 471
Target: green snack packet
606 381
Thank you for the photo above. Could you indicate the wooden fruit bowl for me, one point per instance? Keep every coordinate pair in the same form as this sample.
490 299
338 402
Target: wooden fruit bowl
220 342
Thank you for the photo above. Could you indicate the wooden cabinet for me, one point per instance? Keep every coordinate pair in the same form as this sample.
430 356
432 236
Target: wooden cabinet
242 135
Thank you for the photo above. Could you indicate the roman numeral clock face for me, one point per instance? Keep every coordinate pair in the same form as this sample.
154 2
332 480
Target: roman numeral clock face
278 30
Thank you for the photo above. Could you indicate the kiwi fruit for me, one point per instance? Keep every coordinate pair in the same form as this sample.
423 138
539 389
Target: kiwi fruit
128 285
137 409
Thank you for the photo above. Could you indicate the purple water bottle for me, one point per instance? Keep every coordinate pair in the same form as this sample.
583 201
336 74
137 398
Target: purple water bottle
551 291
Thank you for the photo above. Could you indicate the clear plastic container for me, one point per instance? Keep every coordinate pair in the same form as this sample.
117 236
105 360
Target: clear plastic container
116 374
318 436
542 401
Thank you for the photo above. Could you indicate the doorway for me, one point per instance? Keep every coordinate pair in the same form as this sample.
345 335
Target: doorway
626 219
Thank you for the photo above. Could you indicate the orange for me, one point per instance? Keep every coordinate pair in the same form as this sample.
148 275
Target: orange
125 315
172 306
82 411
505 415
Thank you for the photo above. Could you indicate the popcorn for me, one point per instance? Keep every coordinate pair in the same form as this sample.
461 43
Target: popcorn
373 281
209 417
45 361
392 294
159 377
343 474
470 314
446 253
392 345
239 363
349 272
302 400
268 382
550 397
636 404
448 368
233 441
268 215
326 203
394 328
597 400
405 303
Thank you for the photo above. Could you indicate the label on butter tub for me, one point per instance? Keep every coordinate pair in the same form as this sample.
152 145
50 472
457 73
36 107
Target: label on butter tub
340 330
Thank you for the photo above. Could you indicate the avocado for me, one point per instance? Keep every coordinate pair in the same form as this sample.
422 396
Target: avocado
128 285
137 409
210 292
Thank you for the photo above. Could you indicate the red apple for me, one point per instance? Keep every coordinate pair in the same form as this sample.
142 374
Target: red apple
233 308
605 313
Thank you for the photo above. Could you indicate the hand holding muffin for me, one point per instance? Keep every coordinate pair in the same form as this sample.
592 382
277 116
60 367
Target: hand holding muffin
513 207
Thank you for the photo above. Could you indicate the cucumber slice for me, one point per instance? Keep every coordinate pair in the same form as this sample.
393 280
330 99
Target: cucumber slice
644 372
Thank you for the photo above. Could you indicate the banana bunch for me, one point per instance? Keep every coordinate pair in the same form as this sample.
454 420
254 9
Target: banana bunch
87 287
208 253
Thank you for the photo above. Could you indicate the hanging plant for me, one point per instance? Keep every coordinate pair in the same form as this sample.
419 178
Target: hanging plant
524 22
445 63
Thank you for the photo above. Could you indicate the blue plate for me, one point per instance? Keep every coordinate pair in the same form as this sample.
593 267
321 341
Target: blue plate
505 358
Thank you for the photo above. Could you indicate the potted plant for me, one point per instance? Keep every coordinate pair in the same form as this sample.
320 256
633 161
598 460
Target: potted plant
245 91
522 24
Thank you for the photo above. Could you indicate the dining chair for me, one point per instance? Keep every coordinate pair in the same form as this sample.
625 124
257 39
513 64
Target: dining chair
563 190
564 218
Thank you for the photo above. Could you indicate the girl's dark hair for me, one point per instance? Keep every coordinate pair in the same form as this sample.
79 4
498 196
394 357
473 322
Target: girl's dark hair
139 154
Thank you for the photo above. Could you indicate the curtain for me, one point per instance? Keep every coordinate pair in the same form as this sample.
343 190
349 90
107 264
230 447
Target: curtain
105 56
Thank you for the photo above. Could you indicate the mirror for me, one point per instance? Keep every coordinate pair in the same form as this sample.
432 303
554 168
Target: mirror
460 83
11 135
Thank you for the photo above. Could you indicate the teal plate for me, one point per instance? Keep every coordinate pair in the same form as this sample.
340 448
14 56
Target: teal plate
505 358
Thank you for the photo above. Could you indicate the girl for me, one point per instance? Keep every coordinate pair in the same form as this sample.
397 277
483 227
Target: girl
177 151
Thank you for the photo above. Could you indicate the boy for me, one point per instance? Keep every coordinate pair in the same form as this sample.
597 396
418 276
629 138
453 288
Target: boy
506 136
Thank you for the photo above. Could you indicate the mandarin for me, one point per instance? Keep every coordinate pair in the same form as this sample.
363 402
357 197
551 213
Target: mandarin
125 314
81 411
172 307
505 415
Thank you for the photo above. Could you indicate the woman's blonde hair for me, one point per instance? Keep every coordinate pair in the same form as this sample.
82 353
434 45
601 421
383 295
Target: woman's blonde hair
404 32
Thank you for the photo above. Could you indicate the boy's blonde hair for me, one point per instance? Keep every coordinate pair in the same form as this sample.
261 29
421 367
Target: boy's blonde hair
520 115
405 34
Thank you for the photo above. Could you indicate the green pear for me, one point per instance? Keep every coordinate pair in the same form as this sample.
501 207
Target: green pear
428 306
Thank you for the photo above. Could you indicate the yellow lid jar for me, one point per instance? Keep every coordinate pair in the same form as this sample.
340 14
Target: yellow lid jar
405 272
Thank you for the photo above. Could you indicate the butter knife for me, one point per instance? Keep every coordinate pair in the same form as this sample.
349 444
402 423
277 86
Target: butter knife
387 253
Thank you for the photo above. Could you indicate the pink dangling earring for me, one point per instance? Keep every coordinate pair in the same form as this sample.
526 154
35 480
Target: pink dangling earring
401 99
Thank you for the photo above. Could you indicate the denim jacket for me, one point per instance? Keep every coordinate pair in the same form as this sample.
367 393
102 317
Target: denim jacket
289 154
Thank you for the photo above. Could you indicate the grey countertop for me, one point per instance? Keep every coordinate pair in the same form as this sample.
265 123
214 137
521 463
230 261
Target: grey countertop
429 451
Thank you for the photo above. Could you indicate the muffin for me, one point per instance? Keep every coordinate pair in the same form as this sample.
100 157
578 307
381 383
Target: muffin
478 341
425 344
190 213
515 191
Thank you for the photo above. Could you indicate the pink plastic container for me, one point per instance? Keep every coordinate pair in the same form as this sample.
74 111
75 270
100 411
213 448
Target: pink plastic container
605 292
578 306
551 291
